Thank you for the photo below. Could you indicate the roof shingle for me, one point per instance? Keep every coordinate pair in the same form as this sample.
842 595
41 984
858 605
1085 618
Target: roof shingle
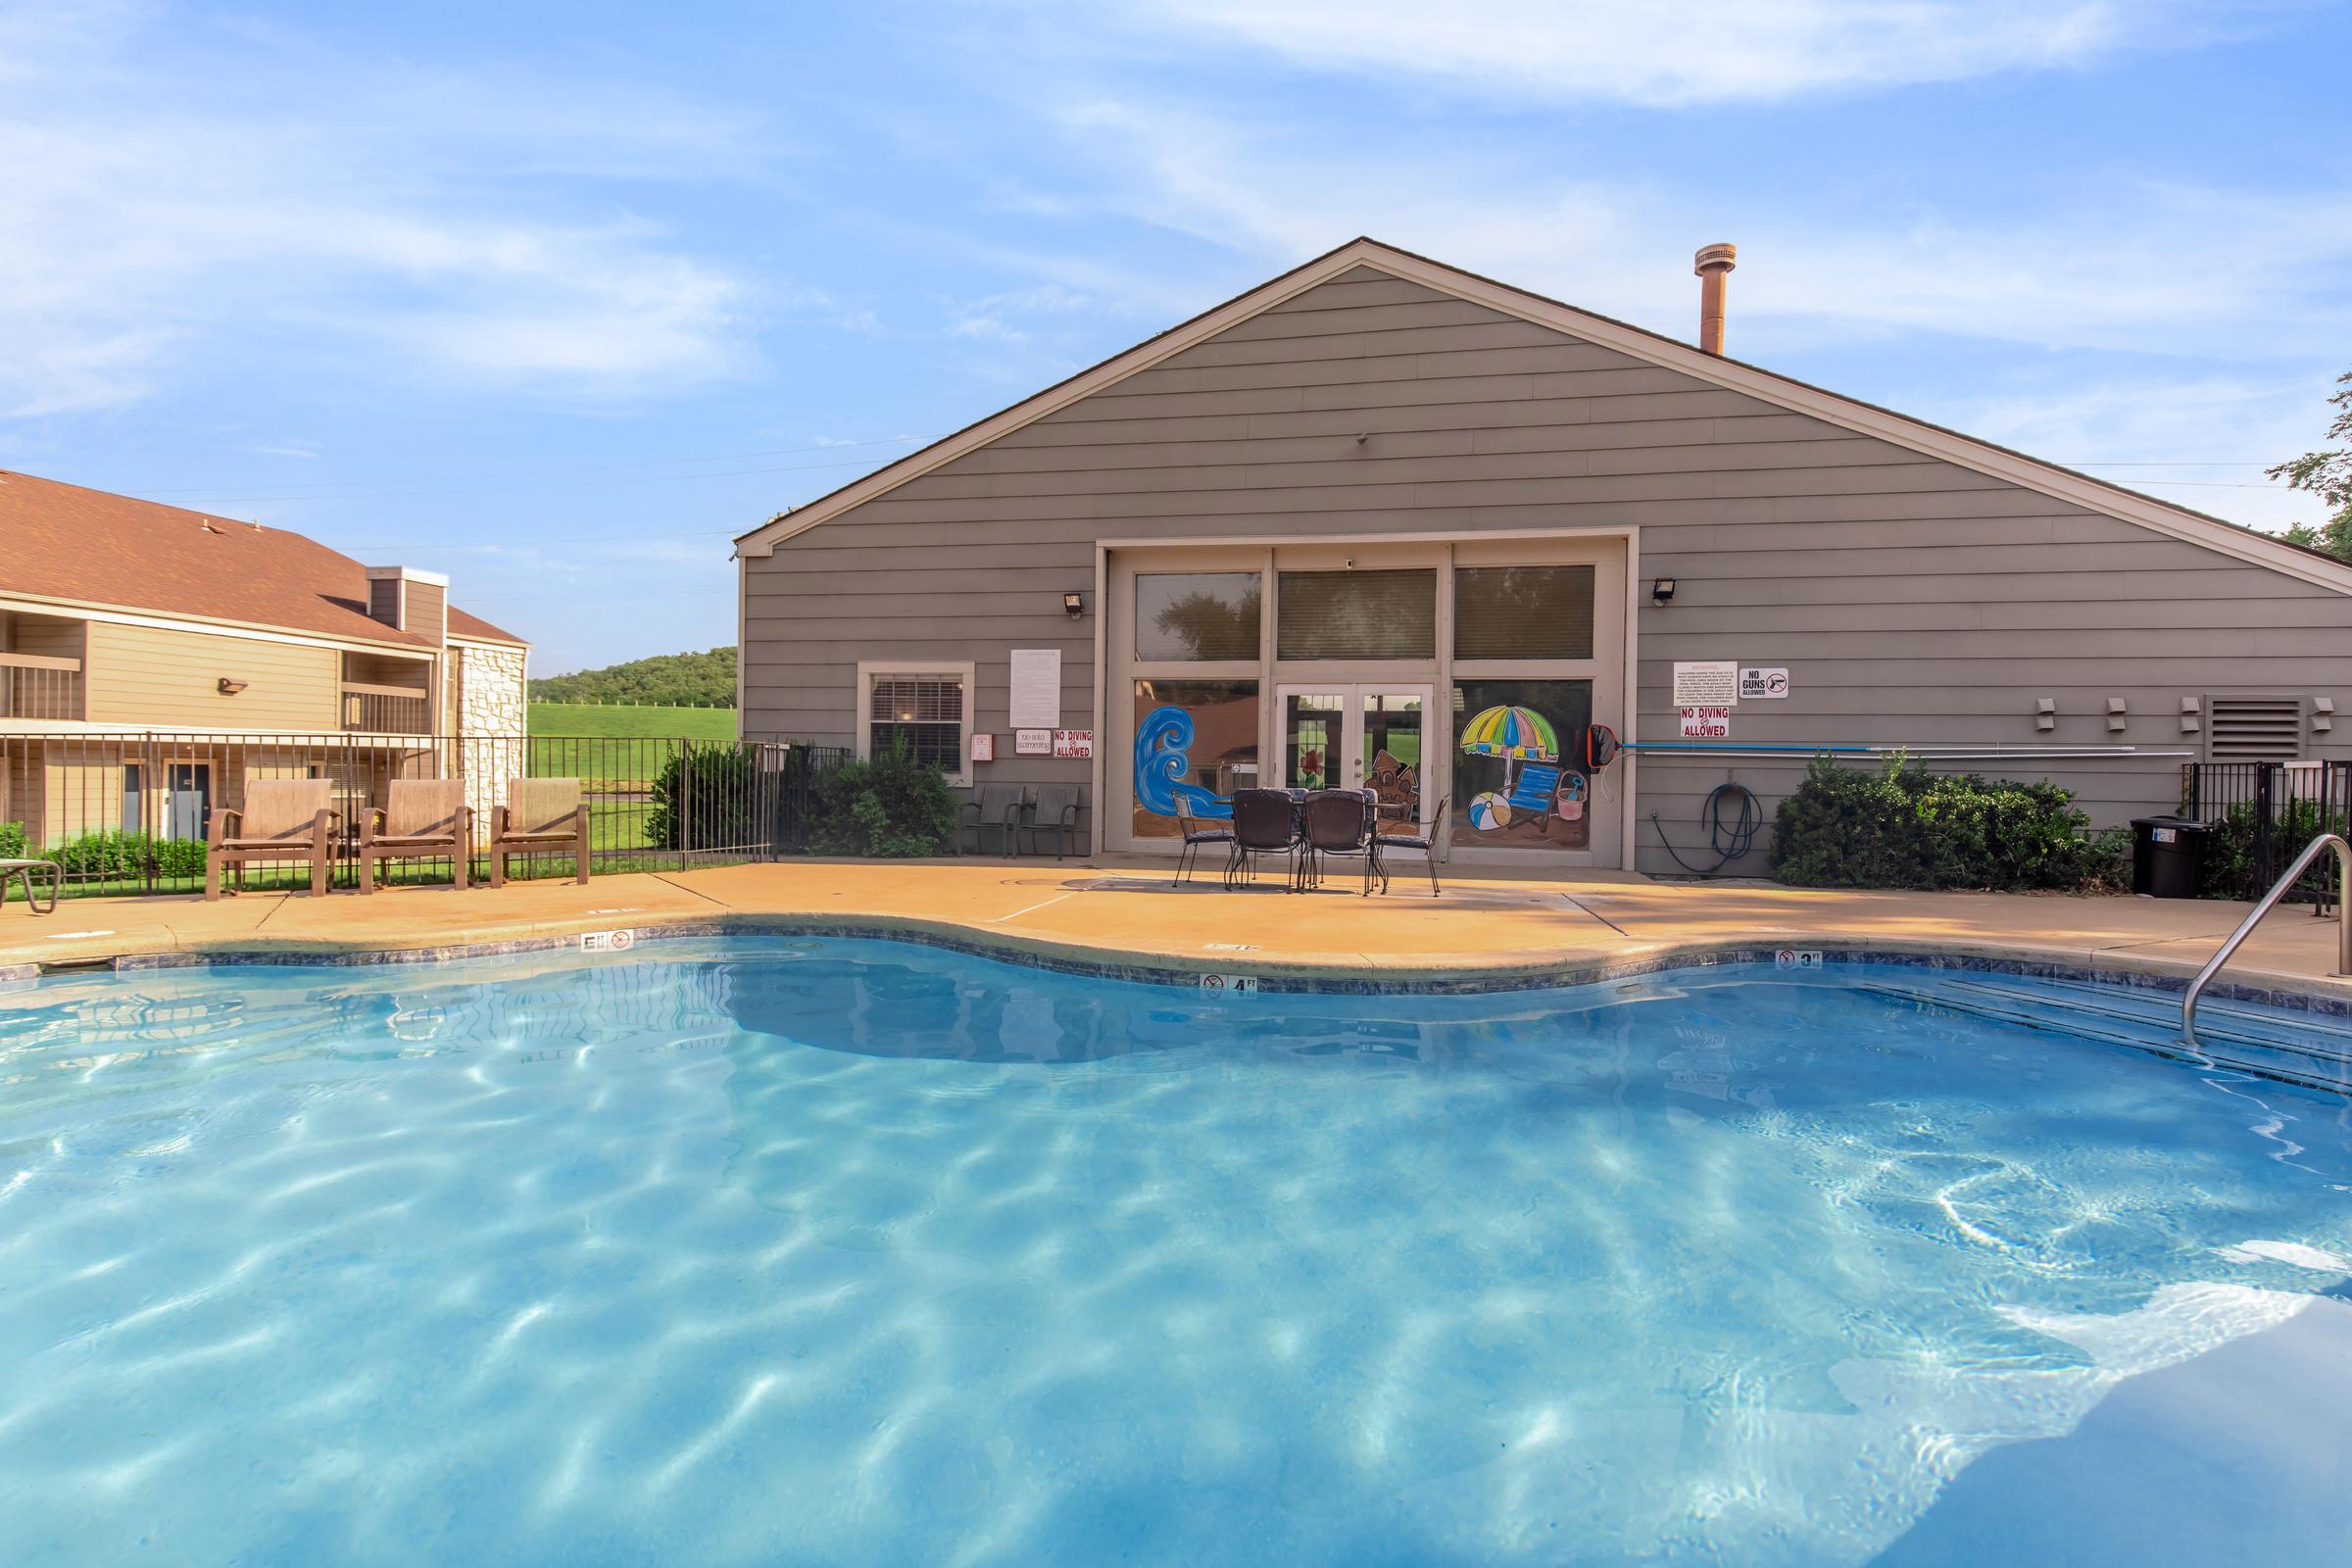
62 541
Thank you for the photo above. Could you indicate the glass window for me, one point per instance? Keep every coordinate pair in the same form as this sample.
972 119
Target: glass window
1195 742
1514 784
1358 614
1196 616
1523 613
1312 726
925 713
1392 723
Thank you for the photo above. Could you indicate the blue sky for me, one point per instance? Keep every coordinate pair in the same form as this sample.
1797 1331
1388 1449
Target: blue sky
559 298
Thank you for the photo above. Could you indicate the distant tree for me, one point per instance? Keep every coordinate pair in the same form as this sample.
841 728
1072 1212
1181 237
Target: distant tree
1214 627
2326 474
666 680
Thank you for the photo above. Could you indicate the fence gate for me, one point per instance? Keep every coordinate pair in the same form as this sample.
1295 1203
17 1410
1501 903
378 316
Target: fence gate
2263 813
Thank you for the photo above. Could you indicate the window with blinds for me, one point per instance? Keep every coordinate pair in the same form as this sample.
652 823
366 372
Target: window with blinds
2254 729
924 712
1522 613
1357 614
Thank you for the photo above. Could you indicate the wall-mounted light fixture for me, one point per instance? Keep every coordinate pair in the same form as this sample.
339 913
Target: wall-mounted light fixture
230 686
1074 605
1661 591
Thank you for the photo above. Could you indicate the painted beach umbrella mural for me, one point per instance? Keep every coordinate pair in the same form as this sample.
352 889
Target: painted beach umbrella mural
1517 735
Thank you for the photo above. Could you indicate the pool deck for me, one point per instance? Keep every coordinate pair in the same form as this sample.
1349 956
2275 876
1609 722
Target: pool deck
1486 923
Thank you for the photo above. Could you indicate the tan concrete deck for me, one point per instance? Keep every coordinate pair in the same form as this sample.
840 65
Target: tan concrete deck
1487 922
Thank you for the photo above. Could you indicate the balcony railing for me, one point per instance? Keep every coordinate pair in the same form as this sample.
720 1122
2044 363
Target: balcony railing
385 710
34 686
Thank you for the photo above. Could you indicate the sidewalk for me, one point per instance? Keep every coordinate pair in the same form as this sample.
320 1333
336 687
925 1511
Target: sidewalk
1485 923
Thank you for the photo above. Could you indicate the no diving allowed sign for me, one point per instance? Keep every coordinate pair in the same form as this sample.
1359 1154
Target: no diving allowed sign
607 941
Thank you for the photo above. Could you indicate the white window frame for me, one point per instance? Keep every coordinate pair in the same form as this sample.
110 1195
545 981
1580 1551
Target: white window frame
964 670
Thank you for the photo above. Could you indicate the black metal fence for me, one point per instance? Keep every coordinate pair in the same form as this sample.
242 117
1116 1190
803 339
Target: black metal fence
2262 814
126 813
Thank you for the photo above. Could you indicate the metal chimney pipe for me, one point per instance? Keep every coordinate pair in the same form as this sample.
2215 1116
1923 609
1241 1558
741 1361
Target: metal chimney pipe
1711 265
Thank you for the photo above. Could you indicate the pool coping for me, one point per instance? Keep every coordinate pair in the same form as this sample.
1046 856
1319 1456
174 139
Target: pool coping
2315 998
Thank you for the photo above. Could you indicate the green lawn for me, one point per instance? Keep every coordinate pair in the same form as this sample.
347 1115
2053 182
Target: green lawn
616 748
668 723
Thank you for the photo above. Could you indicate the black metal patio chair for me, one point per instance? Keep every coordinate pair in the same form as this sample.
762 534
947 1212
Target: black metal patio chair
1416 838
1263 824
1340 823
1199 834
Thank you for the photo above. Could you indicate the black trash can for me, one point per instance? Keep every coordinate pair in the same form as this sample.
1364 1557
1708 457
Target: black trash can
2168 856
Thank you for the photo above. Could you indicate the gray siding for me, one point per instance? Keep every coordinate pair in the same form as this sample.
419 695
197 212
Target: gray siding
1912 599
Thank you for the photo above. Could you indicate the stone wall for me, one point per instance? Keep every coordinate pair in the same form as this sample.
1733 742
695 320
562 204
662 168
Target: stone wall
490 689
490 714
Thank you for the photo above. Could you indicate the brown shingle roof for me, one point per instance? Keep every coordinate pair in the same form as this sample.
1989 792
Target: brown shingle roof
60 541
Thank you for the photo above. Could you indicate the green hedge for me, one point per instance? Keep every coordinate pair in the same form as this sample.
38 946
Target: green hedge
892 805
108 852
1902 827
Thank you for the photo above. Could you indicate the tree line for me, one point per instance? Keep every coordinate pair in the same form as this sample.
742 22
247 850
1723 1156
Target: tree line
664 680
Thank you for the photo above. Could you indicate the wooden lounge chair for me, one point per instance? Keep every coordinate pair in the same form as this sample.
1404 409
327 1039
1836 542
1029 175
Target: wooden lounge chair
422 818
540 814
281 819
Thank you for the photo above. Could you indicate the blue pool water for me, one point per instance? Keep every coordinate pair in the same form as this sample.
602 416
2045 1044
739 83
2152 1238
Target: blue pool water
836 1251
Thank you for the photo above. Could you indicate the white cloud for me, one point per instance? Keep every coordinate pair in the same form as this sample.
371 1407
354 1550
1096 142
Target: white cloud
159 203
1679 52
2139 267
2198 442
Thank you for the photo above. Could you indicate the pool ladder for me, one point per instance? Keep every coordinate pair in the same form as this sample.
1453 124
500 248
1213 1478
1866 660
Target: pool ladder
2269 901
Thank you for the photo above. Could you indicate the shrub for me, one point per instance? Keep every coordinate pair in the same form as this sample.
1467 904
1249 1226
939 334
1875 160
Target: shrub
705 798
2229 870
12 841
1900 827
892 805
109 854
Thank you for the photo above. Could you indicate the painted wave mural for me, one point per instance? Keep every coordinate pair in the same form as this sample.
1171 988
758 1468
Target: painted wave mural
1163 767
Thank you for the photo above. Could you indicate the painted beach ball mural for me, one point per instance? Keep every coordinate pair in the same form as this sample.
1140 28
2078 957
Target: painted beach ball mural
1489 811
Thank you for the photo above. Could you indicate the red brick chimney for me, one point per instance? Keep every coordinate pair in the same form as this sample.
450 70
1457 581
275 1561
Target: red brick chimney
1714 262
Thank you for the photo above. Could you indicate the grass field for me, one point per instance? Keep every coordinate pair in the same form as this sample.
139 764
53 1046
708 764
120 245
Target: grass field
666 723
638 741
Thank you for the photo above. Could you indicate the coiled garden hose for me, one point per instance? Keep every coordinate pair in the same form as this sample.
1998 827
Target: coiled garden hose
1731 839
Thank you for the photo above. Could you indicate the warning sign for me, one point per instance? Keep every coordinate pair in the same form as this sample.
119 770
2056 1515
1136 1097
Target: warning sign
1764 684
1706 723
1706 683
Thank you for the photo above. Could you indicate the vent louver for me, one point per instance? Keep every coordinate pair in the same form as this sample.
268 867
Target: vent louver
2254 729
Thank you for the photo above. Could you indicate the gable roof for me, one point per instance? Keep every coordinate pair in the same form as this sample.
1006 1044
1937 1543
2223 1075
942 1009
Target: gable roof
62 541
1769 386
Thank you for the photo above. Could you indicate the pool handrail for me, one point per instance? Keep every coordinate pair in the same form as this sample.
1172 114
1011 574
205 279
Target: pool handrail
2263 906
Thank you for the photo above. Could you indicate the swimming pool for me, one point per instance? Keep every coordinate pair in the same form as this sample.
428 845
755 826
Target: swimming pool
842 1251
